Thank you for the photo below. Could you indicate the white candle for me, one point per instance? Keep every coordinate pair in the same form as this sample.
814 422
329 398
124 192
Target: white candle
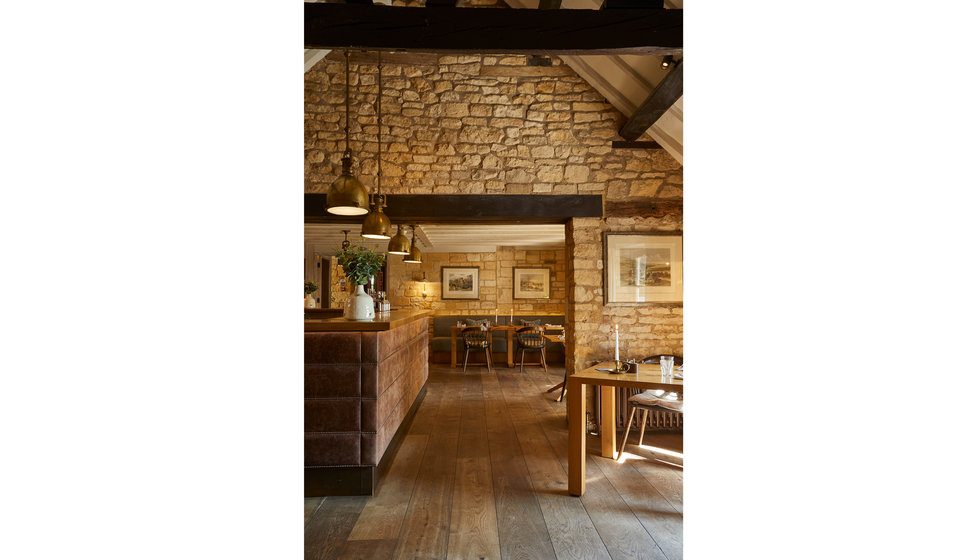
494 315
617 343
511 315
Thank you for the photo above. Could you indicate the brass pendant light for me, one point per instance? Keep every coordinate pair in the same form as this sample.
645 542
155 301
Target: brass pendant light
414 254
347 196
399 243
376 225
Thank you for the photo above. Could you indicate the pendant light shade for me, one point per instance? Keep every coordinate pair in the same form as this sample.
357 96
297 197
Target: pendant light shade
347 196
399 244
414 254
376 225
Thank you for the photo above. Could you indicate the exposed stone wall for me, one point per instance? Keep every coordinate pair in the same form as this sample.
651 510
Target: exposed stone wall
644 330
490 124
477 125
496 282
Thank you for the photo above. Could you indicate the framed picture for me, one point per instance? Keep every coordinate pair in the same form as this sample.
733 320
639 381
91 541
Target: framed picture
460 282
532 283
643 268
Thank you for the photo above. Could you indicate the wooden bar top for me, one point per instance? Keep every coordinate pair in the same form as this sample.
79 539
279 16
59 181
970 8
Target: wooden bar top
381 321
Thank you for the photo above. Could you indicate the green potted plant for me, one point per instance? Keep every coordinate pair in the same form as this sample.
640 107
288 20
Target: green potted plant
309 288
360 264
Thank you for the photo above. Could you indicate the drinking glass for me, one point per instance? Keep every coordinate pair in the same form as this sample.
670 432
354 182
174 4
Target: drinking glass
667 367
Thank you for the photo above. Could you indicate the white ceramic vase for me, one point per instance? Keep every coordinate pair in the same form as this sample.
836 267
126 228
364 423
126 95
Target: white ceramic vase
310 302
360 306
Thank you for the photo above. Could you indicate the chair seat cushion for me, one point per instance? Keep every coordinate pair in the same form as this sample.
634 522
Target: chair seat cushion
659 398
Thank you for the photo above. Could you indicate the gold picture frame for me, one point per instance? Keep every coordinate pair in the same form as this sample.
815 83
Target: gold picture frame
460 282
532 282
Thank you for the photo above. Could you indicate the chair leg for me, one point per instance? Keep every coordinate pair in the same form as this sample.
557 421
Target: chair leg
466 357
544 362
643 425
564 383
627 434
522 360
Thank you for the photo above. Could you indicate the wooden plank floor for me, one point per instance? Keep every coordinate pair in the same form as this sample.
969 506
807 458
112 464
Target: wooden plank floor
482 474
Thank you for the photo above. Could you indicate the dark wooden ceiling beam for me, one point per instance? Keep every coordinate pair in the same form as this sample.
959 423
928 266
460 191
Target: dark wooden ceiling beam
647 208
668 91
475 30
549 4
470 208
631 4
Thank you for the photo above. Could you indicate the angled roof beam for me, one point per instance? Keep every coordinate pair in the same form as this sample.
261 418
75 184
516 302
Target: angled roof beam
549 4
472 30
670 90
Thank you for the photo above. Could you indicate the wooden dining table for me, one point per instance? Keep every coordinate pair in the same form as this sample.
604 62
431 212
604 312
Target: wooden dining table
510 329
648 377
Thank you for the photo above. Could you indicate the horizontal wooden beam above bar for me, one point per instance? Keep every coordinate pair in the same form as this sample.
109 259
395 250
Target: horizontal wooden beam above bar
485 30
470 208
649 208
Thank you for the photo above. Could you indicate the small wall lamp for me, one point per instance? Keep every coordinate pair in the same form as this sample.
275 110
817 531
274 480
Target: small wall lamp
423 286
667 61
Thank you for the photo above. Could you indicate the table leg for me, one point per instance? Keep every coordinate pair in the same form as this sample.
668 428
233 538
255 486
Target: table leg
607 420
576 438
510 347
452 349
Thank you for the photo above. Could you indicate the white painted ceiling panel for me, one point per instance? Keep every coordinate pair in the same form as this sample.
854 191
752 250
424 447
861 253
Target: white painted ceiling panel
445 238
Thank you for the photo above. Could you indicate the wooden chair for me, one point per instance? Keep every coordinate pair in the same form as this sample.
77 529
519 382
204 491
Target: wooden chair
532 338
475 338
655 400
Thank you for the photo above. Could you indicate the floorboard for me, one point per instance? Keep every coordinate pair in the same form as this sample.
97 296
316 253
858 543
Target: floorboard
383 515
330 525
309 506
663 523
425 531
572 533
482 473
623 534
473 529
523 531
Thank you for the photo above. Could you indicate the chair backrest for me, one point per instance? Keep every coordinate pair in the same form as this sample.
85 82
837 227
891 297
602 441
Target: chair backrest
476 336
532 337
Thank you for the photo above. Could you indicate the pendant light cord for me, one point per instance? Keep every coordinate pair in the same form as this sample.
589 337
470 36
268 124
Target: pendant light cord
379 123
347 102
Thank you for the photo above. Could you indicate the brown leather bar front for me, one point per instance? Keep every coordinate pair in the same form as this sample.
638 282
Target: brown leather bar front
359 387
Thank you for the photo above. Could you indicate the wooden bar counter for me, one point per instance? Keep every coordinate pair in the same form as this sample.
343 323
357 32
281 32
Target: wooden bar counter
363 382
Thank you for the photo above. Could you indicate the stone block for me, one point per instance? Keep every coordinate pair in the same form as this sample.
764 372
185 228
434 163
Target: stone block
576 173
513 61
481 110
512 111
481 135
645 187
550 173
519 176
